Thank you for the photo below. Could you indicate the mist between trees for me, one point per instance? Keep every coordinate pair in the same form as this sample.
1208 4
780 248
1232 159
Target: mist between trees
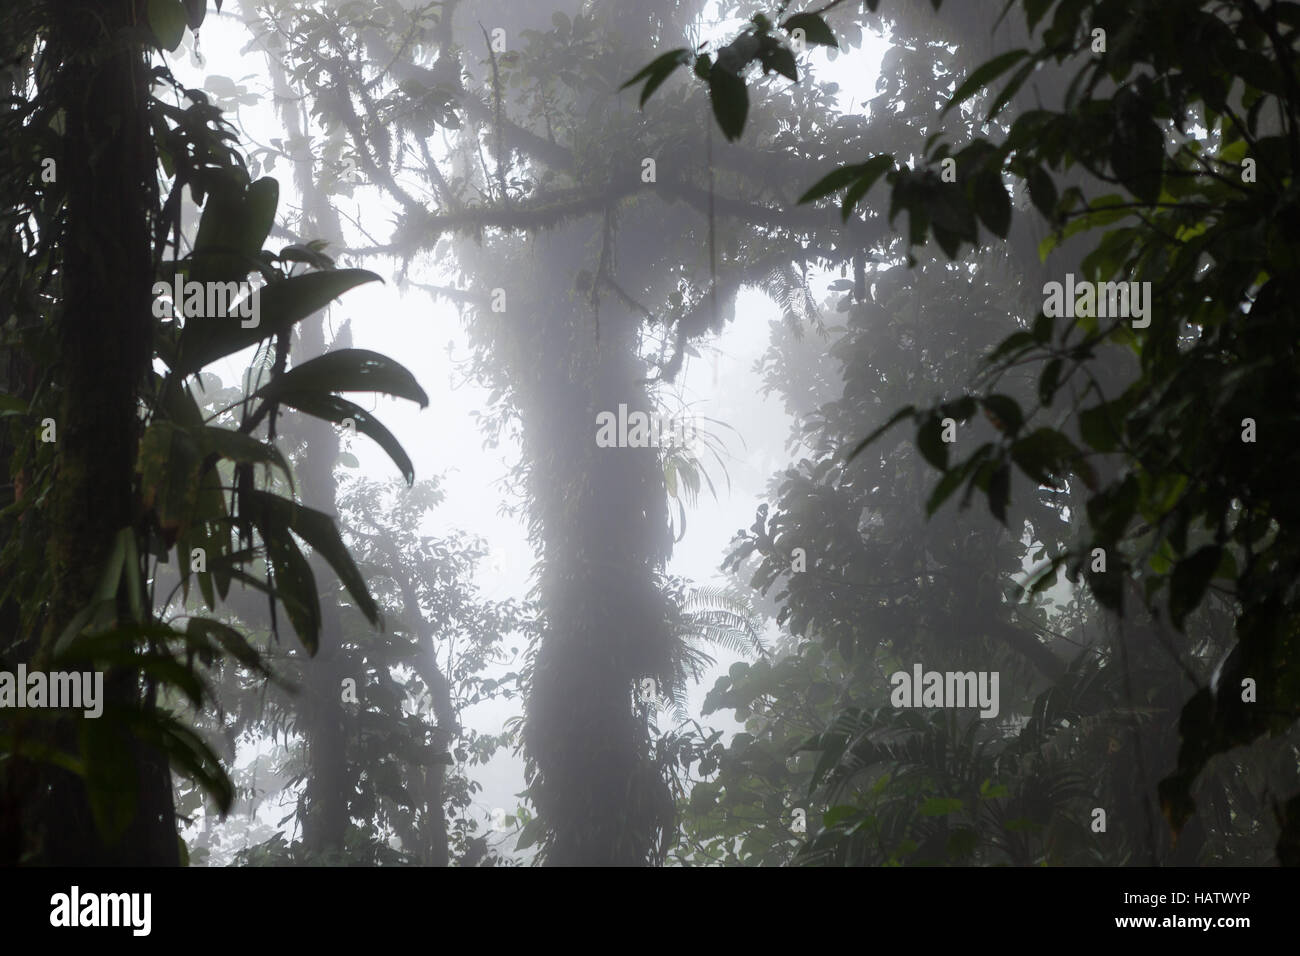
1014 444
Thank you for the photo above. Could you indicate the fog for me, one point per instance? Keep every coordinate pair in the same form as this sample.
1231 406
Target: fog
657 432
426 332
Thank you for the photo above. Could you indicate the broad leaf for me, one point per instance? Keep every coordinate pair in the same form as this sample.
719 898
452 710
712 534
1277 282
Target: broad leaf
983 76
730 101
816 30
335 409
346 370
318 530
281 304
167 19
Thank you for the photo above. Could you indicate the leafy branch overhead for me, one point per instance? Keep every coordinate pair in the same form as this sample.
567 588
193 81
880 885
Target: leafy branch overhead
723 71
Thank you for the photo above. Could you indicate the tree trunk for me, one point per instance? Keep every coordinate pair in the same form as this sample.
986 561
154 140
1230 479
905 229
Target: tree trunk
325 827
104 332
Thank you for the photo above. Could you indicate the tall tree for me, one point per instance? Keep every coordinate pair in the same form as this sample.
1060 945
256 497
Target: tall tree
599 516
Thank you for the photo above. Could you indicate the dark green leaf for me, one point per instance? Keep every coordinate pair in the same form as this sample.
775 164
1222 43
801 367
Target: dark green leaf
1035 10
1004 412
1190 580
929 440
1110 511
730 101
111 774
335 409
952 480
992 202
319 531
238 447
1049 381
262 200
1011 89
1137 154
1000 492
236 221
230 640
961 409
1044 455
816 30
169 461
282 304
782 60
195 12
950 211
295 584
862 176
833 181
894 419
347 370
533 831
873 169
1042 193
1101 427
940 806
657 71
1013 345
983 76
167 19
671 58
189 755
948 241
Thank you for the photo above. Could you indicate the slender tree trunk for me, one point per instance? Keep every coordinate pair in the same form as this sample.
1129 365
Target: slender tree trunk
328 784
324 720
434 848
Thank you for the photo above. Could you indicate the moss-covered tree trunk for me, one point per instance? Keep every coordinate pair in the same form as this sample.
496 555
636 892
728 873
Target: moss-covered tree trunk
603 523
599 515
104 334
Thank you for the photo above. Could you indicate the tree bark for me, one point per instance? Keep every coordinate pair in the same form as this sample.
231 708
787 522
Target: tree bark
105 338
